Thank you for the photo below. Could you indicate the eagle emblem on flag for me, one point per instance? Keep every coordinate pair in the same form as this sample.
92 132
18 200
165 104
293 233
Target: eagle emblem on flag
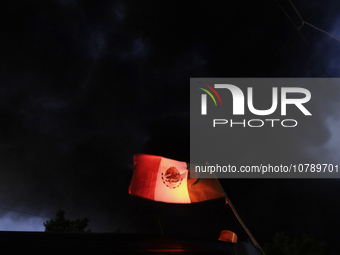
172 177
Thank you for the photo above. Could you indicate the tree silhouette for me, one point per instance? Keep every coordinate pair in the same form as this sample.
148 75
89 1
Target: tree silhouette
282 244
59 223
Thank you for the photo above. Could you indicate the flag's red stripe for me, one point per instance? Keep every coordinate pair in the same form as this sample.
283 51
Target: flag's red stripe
144 178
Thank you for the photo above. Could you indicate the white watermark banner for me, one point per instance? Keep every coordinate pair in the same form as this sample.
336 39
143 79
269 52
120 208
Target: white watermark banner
265 127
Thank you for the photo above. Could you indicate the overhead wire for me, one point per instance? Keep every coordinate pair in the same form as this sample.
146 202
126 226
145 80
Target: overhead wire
297 11
307 23
304 39
323 31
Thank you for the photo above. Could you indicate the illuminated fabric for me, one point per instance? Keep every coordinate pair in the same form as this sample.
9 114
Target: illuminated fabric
167 180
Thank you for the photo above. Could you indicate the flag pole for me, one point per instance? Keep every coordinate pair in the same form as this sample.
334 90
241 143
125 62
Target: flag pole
228 201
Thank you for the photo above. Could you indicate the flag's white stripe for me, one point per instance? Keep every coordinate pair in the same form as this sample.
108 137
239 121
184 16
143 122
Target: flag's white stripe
180 193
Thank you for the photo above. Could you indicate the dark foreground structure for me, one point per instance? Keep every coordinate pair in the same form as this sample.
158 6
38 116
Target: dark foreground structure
106 243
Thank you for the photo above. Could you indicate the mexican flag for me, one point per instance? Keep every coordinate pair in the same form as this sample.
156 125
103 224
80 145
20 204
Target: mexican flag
167 180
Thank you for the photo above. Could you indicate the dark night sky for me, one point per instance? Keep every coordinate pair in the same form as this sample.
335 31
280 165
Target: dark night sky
86 84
